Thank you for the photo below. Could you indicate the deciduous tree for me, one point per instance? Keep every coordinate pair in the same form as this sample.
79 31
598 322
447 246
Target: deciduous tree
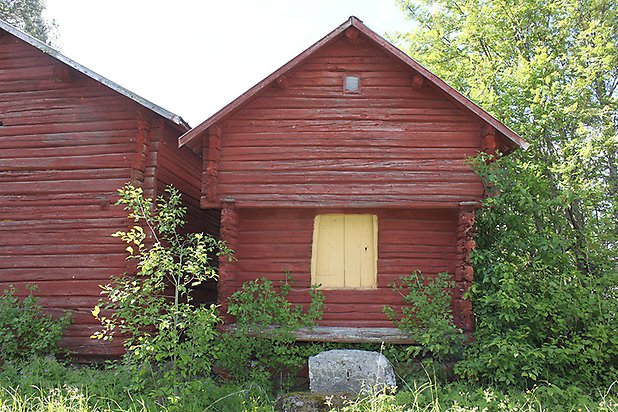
27 15
547 253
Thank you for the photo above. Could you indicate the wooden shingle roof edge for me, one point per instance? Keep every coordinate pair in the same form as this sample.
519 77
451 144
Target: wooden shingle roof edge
45 48
514 139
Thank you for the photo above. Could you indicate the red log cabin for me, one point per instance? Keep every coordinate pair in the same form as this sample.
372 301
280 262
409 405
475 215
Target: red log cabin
346 167
69 138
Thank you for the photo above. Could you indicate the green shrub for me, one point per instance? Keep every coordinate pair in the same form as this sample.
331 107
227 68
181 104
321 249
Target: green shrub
152 307
263 340
427 316
25 330
543 314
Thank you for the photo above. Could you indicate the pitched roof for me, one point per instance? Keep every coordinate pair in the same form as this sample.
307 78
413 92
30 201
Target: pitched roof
114 86
511 136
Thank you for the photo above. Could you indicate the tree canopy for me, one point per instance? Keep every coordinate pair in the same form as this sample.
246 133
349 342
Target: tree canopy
27 15
547 256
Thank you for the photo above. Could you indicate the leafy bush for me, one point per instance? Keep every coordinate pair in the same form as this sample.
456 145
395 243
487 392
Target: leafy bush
543 314
263 340
428 317
25 330
152 307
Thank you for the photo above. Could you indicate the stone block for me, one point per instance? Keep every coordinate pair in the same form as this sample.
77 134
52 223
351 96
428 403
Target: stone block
352 371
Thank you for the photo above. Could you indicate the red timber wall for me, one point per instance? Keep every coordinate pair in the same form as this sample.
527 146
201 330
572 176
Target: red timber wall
67 143
182 168
394 149
271 241
312 145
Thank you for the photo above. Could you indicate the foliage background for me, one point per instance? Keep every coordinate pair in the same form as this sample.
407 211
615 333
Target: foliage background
546 262
27 15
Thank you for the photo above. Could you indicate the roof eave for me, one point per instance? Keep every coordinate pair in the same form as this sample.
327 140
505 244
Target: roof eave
243 98
460 98
45 48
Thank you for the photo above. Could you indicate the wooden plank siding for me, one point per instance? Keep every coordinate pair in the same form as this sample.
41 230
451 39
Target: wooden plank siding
271 241
182 168
302 143
67 143
311 144
65 147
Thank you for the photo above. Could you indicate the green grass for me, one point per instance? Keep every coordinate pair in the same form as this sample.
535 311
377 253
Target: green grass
50 386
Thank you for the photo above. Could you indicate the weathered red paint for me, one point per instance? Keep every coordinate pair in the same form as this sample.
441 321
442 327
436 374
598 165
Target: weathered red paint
272 241
288 150
67 143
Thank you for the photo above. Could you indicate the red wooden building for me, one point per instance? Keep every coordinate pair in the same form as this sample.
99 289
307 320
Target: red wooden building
346 168
69 139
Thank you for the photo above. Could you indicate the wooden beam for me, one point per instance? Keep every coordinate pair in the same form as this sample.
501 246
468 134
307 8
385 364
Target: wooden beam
352 35
63 73
417 82
347 335
353 335
347 204
282 82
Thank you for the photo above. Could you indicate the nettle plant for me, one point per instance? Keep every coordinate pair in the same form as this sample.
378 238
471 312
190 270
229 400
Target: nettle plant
152 308
26 331
427 316
263 343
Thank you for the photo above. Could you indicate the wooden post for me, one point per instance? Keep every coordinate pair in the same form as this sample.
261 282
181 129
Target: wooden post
227 269
464 272
141 159
155 138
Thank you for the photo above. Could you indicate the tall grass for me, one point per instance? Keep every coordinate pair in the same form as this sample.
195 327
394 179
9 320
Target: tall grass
432 397
48 386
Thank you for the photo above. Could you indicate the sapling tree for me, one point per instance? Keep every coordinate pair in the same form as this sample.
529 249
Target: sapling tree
152 308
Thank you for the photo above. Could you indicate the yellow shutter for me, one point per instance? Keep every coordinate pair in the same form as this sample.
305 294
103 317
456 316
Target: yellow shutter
328 249
344 251
360 248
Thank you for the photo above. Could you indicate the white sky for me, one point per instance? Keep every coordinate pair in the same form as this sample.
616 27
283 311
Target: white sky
192 57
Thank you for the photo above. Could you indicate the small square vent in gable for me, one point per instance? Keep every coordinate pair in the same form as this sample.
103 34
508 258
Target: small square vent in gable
351 84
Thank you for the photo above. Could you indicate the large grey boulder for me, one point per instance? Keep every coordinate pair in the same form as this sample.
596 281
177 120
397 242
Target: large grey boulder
352 371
